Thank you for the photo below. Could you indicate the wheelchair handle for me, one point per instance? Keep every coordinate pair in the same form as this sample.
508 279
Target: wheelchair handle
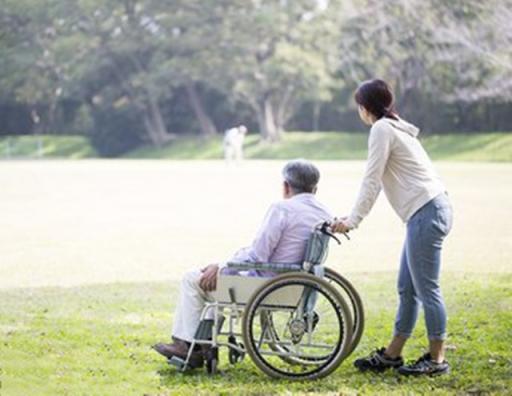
325 227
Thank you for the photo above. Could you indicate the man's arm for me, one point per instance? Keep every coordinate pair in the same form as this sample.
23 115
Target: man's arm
260 251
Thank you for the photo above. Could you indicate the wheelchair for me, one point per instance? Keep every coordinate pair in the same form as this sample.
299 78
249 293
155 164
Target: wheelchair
299 323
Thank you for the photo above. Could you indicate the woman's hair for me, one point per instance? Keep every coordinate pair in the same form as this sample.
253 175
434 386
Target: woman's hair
377 98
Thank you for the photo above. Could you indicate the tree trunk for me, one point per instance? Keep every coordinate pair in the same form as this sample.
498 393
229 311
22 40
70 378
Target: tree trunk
282 114
205 122
155 125
316 115
266 121
150 131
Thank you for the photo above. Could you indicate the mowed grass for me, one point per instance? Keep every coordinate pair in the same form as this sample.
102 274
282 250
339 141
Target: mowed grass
69 223
494 147
117 235
96 341
47 146
337 146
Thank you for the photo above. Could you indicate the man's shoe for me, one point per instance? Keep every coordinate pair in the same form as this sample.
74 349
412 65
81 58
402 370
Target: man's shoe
425 366
378 361
180 349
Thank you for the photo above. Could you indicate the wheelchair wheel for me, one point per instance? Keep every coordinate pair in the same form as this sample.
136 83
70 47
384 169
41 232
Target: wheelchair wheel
346 290
212 360
234 355
310 331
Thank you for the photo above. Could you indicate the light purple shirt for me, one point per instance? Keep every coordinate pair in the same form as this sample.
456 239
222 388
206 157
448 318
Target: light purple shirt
285 231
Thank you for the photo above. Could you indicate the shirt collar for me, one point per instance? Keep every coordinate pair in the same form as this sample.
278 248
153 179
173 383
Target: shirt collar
302 196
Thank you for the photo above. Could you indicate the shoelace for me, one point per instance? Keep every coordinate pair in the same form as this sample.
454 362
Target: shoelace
374 357
424 362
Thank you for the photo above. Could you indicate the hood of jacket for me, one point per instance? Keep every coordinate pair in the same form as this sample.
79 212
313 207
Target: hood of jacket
403 126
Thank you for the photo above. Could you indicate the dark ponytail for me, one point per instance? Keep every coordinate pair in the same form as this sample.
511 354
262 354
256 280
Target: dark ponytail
377 98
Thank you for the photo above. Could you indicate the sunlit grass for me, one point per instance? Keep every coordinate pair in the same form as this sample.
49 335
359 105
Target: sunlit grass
46 146
312 145
337 146
73 222
96 341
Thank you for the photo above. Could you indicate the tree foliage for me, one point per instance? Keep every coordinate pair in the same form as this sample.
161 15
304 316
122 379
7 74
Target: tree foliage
141 71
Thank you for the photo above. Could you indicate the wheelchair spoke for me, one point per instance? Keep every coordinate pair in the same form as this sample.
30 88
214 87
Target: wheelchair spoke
302 342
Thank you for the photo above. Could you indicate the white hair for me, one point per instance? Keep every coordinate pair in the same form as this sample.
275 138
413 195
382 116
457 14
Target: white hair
301 175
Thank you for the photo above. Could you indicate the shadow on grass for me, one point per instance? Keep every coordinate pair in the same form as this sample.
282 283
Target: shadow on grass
96 340
477 348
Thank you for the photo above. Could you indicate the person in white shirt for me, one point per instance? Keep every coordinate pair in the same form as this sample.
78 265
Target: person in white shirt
281 239
398 164
234 143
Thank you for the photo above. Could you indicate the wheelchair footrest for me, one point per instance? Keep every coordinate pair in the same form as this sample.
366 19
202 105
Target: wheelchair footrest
177 362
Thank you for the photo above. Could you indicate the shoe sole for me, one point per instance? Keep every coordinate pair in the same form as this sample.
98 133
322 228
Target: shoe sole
377 370
433 374
192 364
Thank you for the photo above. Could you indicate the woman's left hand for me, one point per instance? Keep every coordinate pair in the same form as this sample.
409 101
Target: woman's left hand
341 225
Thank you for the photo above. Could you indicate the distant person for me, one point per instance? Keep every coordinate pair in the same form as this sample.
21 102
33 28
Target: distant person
234 143
282 238
398 163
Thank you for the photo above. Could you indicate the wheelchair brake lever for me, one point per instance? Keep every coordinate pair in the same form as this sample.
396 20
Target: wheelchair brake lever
332 236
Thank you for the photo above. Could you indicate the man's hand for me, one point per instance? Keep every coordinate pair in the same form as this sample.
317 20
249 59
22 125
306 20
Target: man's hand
340 225
208 281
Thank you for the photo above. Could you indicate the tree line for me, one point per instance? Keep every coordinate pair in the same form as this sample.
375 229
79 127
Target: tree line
132 72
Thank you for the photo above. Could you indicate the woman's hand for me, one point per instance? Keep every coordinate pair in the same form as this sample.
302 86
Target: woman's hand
208 281
340 225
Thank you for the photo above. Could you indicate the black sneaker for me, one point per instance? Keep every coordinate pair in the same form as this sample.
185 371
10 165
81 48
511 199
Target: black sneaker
425 366
378 361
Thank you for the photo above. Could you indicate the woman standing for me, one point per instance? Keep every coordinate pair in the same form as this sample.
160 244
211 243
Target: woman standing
398 163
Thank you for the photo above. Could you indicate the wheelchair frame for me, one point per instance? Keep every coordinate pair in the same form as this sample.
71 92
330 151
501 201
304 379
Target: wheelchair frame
210 329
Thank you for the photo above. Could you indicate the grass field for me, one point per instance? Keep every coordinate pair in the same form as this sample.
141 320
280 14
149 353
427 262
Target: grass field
75 222
495 147
339 146
73 147
92 250
95 341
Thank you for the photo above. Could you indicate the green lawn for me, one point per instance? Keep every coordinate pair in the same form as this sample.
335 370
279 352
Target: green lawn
47 146
338 146
70 223
96 340
318 145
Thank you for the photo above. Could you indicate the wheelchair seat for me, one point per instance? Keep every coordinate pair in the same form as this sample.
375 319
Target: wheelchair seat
238 289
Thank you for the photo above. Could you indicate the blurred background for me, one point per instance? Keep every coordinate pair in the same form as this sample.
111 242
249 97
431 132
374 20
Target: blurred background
106 77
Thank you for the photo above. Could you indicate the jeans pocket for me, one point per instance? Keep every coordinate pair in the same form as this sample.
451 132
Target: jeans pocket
444 219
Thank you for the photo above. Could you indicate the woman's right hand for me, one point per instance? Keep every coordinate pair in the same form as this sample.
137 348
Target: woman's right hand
340 225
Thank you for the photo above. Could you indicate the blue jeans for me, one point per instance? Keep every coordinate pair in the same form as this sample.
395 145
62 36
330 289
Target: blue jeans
418 280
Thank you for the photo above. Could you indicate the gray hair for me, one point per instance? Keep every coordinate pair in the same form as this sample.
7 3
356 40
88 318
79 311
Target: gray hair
301 175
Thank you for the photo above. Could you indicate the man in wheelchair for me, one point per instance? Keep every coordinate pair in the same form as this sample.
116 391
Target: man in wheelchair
282 238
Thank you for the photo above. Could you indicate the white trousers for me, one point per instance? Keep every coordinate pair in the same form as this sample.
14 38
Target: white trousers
190 306
233 152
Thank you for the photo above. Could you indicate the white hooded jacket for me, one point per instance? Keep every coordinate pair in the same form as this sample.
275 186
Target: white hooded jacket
398 163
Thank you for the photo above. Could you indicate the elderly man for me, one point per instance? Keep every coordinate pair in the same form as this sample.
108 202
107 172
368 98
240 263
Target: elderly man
282 238
234 143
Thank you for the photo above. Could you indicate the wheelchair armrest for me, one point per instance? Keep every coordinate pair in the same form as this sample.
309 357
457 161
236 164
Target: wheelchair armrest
274 267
